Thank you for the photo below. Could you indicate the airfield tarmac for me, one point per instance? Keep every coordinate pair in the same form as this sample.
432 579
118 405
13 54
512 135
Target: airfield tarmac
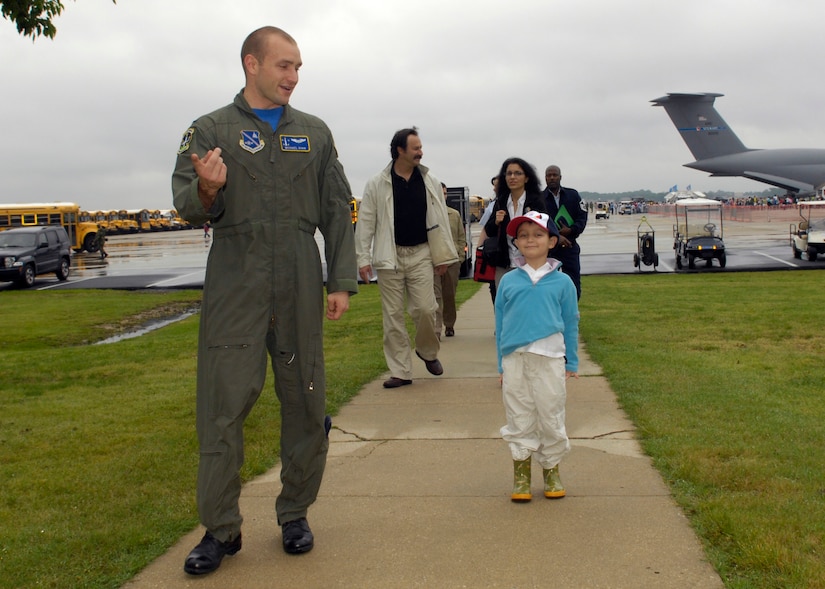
758 240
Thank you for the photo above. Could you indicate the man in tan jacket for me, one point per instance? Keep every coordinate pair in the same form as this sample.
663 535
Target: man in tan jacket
403 235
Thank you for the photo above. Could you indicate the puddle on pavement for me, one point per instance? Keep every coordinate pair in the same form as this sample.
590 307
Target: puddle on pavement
147 327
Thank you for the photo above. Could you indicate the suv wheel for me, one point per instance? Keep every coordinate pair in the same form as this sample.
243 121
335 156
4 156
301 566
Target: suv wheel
62 271
27 279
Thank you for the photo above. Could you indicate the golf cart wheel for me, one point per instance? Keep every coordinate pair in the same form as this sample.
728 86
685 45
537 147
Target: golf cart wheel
635 260
691 261
811 254
723 260
678 262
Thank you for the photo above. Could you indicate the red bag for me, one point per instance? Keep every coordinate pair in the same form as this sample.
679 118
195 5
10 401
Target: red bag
483 271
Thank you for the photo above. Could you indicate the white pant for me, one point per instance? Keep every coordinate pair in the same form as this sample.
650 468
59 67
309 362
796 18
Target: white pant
534 392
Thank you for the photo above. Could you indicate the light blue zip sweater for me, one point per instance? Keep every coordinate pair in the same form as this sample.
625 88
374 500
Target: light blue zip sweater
527 312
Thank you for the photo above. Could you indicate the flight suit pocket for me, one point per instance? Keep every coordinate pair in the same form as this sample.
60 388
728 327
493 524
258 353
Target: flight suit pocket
234 376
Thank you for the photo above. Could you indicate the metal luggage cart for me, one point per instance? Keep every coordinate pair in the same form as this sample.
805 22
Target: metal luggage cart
646 253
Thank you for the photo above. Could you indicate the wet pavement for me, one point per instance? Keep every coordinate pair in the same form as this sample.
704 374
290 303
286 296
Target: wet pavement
758 241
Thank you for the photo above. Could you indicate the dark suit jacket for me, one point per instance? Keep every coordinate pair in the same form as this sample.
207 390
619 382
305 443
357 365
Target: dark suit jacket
571 202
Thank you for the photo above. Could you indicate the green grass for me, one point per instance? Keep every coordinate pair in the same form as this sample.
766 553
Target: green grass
98 453
723 376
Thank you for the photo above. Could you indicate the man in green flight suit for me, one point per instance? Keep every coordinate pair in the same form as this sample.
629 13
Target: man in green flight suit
265 176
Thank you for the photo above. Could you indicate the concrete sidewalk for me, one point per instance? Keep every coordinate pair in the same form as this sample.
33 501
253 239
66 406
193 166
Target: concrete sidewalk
417 494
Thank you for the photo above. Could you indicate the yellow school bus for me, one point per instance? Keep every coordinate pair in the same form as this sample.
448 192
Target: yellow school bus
476 208
174 219
141 217
120 222
81 232
159 221
102 218
130 224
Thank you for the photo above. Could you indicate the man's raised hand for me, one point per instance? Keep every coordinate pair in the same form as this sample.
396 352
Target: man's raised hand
211 171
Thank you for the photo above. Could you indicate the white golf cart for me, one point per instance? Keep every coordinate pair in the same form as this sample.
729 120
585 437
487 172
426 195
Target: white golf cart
808 236
698 232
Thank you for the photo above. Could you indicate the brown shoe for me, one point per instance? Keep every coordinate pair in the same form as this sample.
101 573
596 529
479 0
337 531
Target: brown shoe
394 382
433 366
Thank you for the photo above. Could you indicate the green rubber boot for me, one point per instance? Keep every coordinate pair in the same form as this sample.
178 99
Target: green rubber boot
553 489
521 481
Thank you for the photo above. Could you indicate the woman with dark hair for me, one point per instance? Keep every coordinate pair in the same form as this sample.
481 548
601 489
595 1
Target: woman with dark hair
518 191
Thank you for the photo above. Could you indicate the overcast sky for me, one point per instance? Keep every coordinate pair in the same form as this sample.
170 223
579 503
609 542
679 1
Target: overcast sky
95 116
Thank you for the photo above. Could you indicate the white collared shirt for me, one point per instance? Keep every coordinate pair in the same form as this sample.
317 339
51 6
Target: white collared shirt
514 212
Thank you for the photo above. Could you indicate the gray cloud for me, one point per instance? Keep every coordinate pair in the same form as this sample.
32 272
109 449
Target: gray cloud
95 116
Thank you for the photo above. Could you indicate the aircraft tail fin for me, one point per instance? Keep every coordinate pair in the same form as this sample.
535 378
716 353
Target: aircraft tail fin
703 129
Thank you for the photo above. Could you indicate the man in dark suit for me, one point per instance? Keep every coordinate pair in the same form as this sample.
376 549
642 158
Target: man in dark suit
565 207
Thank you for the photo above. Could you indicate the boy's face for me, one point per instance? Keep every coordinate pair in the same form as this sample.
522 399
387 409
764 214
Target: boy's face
533 241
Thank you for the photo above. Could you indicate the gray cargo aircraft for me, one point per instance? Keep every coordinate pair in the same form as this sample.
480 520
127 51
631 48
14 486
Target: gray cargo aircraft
719 151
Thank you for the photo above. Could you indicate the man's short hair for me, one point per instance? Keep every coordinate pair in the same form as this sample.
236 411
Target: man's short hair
400 140
255 43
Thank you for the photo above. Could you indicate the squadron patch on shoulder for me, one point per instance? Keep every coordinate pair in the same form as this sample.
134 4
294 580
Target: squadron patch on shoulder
251 141
186 142
294 143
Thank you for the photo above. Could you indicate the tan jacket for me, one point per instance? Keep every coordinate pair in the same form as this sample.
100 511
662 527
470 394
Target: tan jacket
459 235
375 231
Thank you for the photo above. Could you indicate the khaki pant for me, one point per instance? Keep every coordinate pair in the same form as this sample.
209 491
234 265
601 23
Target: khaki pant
445 287
412 280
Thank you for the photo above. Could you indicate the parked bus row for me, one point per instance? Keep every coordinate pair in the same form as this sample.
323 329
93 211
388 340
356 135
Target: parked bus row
136 220
82 226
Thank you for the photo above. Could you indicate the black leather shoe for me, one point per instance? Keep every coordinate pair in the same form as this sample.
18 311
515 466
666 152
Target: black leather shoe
297 536
207 556
449 332
394 382
433 366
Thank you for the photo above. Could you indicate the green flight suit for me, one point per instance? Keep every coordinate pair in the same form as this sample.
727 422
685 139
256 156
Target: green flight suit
263 293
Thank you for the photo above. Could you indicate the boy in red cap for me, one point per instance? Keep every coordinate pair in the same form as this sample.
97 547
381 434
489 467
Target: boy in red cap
537 329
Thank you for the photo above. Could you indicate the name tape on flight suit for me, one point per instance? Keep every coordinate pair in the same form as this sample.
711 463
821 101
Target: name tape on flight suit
294 143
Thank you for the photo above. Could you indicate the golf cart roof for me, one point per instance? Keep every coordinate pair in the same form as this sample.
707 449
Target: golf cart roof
698 202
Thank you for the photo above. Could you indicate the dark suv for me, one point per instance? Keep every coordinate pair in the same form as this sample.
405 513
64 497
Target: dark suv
26 252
